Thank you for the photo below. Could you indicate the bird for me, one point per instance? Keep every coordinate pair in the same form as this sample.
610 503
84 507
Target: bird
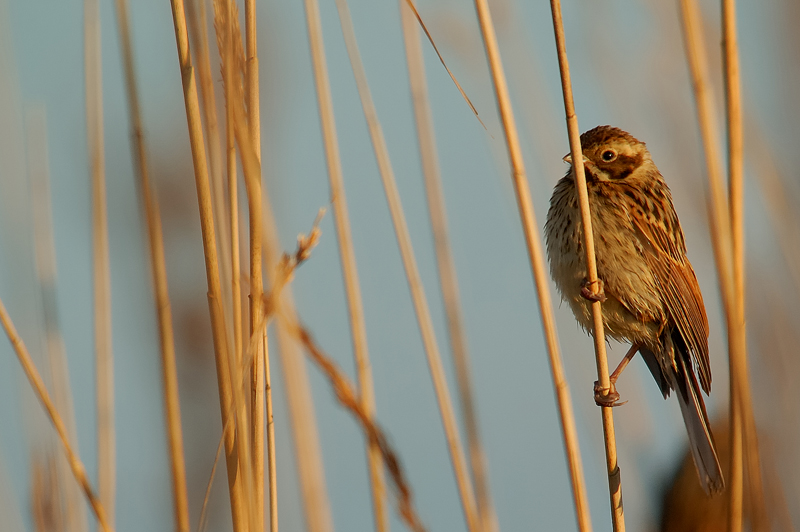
649 292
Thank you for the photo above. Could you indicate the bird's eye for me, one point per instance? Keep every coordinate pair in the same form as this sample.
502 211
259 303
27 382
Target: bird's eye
609 155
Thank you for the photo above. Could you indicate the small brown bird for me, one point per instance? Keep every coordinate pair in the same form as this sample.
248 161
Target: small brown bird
649 291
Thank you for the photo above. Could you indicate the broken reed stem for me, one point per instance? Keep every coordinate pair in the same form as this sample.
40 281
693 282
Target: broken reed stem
75 464
159 273
445 262
743 430
233 445
261 359
347 397
347 257
308 455
536 258
106 454
455 447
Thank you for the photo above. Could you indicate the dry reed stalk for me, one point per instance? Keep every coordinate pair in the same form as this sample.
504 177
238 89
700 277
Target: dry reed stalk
347 396
235 448
742 417
535 256
159 272
308 455
284 272
282 275
691 22
44 250
104 361
465 488
612 467
261 359
198 27
228 37
347 257
75 464
446 265
233 197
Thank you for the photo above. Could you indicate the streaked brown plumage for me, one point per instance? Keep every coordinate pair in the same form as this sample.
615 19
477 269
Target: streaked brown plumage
652 298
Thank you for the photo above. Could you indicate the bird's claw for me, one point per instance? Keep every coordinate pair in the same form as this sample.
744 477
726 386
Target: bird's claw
591 295
603 398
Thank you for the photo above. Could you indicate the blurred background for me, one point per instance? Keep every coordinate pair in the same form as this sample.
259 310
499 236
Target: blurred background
628 69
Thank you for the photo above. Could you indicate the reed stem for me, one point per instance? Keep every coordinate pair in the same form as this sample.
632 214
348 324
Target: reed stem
535 256
104 361
235 449
159 272
612 467
75 464
744 442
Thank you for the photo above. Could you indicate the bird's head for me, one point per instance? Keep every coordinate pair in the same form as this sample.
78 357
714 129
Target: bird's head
610 154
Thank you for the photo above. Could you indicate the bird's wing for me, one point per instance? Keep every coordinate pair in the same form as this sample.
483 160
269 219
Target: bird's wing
665 253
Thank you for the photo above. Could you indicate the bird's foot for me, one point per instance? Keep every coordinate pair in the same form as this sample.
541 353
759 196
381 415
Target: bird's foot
591 295
603 398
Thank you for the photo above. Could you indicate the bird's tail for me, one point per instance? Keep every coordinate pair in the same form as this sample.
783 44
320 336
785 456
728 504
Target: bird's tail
701 441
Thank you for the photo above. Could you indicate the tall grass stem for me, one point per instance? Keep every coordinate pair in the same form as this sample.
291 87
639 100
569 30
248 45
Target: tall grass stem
536 259
158 270
355 307
104 361
233 445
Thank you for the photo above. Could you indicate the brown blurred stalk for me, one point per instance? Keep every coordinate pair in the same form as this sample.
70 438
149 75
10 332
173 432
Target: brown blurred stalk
159 272
235 448
75 464
445 262
344 237
536 258
106 459
44 248
743 430
727 250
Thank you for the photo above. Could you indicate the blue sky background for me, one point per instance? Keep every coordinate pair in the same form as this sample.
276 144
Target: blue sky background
628 70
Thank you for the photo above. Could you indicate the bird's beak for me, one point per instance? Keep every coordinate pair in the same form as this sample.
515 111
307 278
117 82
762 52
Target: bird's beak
568 159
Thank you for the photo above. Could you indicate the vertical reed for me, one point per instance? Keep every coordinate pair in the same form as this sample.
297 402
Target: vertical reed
536 258
159 272
358 331
234 446
106 453
744 444
612 467
261 358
